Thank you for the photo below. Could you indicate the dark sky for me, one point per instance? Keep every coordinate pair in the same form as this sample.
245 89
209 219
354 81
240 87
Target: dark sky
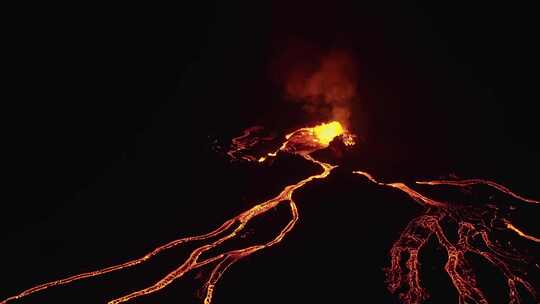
112 113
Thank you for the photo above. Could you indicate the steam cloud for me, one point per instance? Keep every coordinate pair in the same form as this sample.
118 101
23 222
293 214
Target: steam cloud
325 84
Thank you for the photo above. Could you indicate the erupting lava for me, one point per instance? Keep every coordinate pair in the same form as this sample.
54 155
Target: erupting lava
302 142
326 132
474 225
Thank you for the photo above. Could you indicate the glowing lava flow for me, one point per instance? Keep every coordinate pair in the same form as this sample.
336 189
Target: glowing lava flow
521 233
301 142
244 142
471 227
474 225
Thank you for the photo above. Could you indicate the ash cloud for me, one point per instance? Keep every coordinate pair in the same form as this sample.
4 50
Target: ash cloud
325 82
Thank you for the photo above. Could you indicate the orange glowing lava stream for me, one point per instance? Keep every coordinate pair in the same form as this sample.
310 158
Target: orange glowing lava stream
471 182
521 233
302 142
244 142
420 229
411 241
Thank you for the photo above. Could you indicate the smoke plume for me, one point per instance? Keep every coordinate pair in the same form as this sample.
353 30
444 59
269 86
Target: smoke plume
325 83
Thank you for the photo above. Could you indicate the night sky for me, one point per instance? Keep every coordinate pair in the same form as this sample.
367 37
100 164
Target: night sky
115 116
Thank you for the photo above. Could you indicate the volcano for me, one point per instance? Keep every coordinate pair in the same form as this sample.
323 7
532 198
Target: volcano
301 152
477 225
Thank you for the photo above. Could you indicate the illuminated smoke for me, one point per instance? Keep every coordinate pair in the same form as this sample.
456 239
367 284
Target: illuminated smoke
326 85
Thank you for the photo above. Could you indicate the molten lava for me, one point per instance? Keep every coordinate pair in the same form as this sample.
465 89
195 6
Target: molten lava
302 141
307 140
325 133
402 276
471 227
